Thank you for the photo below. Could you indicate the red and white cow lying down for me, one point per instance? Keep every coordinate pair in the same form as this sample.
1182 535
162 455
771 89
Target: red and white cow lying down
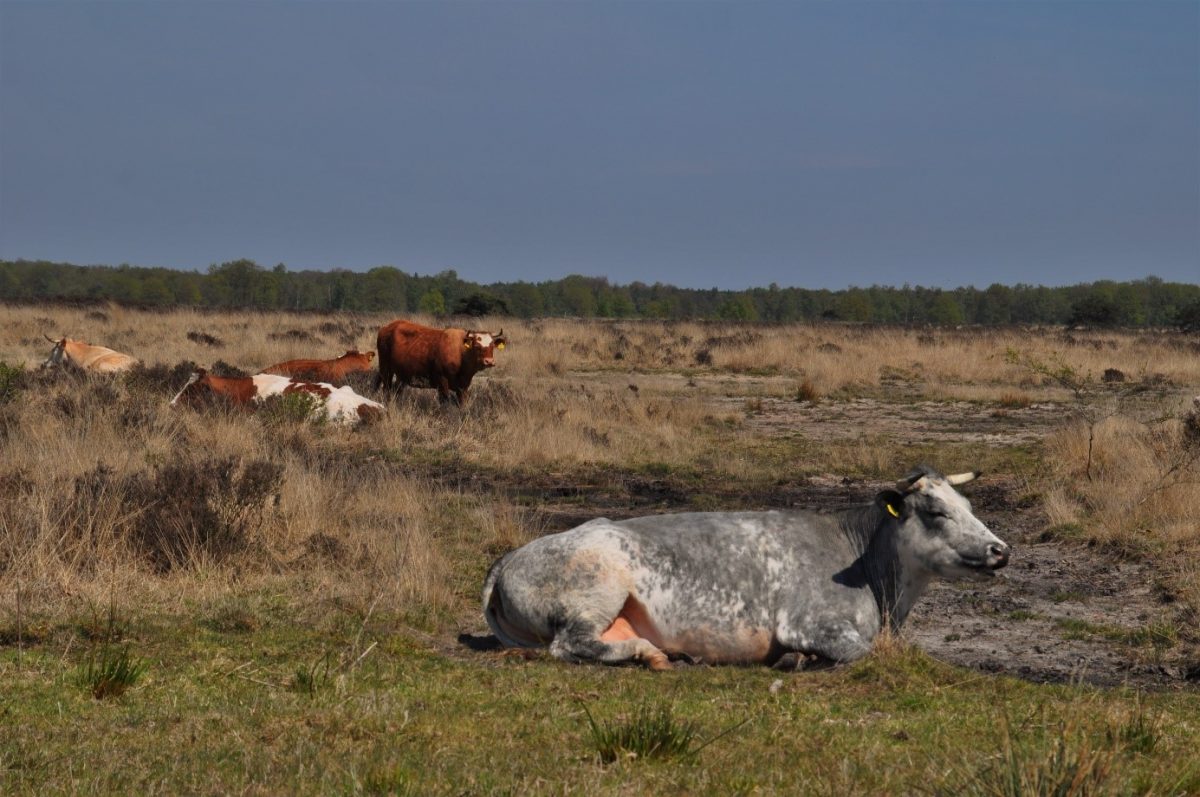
339 404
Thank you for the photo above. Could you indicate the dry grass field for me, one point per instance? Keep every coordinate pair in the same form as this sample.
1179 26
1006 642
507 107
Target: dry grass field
304 597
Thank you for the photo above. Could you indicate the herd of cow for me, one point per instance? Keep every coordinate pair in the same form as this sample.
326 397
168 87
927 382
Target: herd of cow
446 359
778 587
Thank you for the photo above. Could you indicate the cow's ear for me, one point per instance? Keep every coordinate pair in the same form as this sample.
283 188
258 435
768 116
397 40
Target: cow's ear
891 502
500 344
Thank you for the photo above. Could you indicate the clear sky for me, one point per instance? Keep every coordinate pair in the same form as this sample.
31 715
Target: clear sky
728 144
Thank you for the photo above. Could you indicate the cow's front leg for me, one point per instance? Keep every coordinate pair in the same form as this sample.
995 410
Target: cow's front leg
839 641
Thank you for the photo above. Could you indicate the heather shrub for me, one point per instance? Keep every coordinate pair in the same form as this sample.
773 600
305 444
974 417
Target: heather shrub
178 515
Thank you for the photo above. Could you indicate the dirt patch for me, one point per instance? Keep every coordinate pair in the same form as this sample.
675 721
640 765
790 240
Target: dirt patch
1059 612
917 421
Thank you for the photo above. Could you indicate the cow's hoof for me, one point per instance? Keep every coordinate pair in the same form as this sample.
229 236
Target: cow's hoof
789 662
659 662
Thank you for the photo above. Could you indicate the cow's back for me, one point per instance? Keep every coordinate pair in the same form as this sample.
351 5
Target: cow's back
99 359
413 350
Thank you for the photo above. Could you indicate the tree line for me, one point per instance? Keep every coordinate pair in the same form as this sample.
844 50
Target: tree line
245 284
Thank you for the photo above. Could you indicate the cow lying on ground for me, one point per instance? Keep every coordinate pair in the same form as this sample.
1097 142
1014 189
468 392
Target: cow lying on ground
447 358
332 371
97 359
338 404
739 587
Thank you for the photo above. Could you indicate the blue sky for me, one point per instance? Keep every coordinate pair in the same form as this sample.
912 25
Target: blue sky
696 143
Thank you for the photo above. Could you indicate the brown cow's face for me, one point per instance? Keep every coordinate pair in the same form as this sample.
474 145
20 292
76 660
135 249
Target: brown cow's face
482 346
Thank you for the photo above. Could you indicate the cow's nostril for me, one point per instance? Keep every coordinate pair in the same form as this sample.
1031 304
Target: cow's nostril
999 553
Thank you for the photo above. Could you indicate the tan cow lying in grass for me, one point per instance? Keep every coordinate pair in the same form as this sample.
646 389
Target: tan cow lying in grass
97 359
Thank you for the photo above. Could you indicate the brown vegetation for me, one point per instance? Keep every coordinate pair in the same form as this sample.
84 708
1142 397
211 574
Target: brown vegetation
104 487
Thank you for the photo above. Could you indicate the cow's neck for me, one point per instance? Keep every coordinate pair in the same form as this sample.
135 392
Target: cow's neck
896 580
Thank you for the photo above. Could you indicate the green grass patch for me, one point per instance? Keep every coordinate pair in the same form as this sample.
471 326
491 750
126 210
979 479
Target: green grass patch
225 713
1157 635
652 732
110 672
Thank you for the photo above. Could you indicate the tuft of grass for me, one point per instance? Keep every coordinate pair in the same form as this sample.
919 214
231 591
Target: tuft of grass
314 678
807 391
652 732
390 780
232 618
111 672
1015 401
1071 764
1138 733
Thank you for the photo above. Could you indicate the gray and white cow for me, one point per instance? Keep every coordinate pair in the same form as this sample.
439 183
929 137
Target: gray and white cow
739 587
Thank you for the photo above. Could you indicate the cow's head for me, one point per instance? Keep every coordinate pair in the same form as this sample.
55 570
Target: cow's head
195 392
936 530
363 357
57 353
481 346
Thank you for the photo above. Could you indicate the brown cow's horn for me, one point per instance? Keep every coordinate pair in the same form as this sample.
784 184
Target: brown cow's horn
47 337
963 478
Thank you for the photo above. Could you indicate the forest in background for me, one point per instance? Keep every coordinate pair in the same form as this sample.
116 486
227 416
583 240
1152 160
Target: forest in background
246 284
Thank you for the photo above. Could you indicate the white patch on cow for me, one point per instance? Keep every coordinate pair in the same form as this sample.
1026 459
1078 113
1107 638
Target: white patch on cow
343 403
483 338
267 385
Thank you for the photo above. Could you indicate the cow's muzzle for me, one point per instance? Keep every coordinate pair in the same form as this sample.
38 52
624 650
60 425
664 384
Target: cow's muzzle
986 567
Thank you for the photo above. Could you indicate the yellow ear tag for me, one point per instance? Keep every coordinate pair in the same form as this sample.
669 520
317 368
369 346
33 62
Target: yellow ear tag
467 345
892 511
500 345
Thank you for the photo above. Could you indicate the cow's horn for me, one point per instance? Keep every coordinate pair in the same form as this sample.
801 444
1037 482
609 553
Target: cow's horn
963 478
47 337
912 483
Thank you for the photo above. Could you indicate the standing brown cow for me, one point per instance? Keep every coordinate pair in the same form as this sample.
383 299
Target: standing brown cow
332 371
448 358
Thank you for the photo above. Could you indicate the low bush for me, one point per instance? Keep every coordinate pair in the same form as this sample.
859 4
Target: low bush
291 409
180 514
12 381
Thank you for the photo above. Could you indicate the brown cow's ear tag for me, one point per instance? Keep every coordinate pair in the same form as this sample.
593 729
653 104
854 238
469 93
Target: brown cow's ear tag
892 511
467 345
500 345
